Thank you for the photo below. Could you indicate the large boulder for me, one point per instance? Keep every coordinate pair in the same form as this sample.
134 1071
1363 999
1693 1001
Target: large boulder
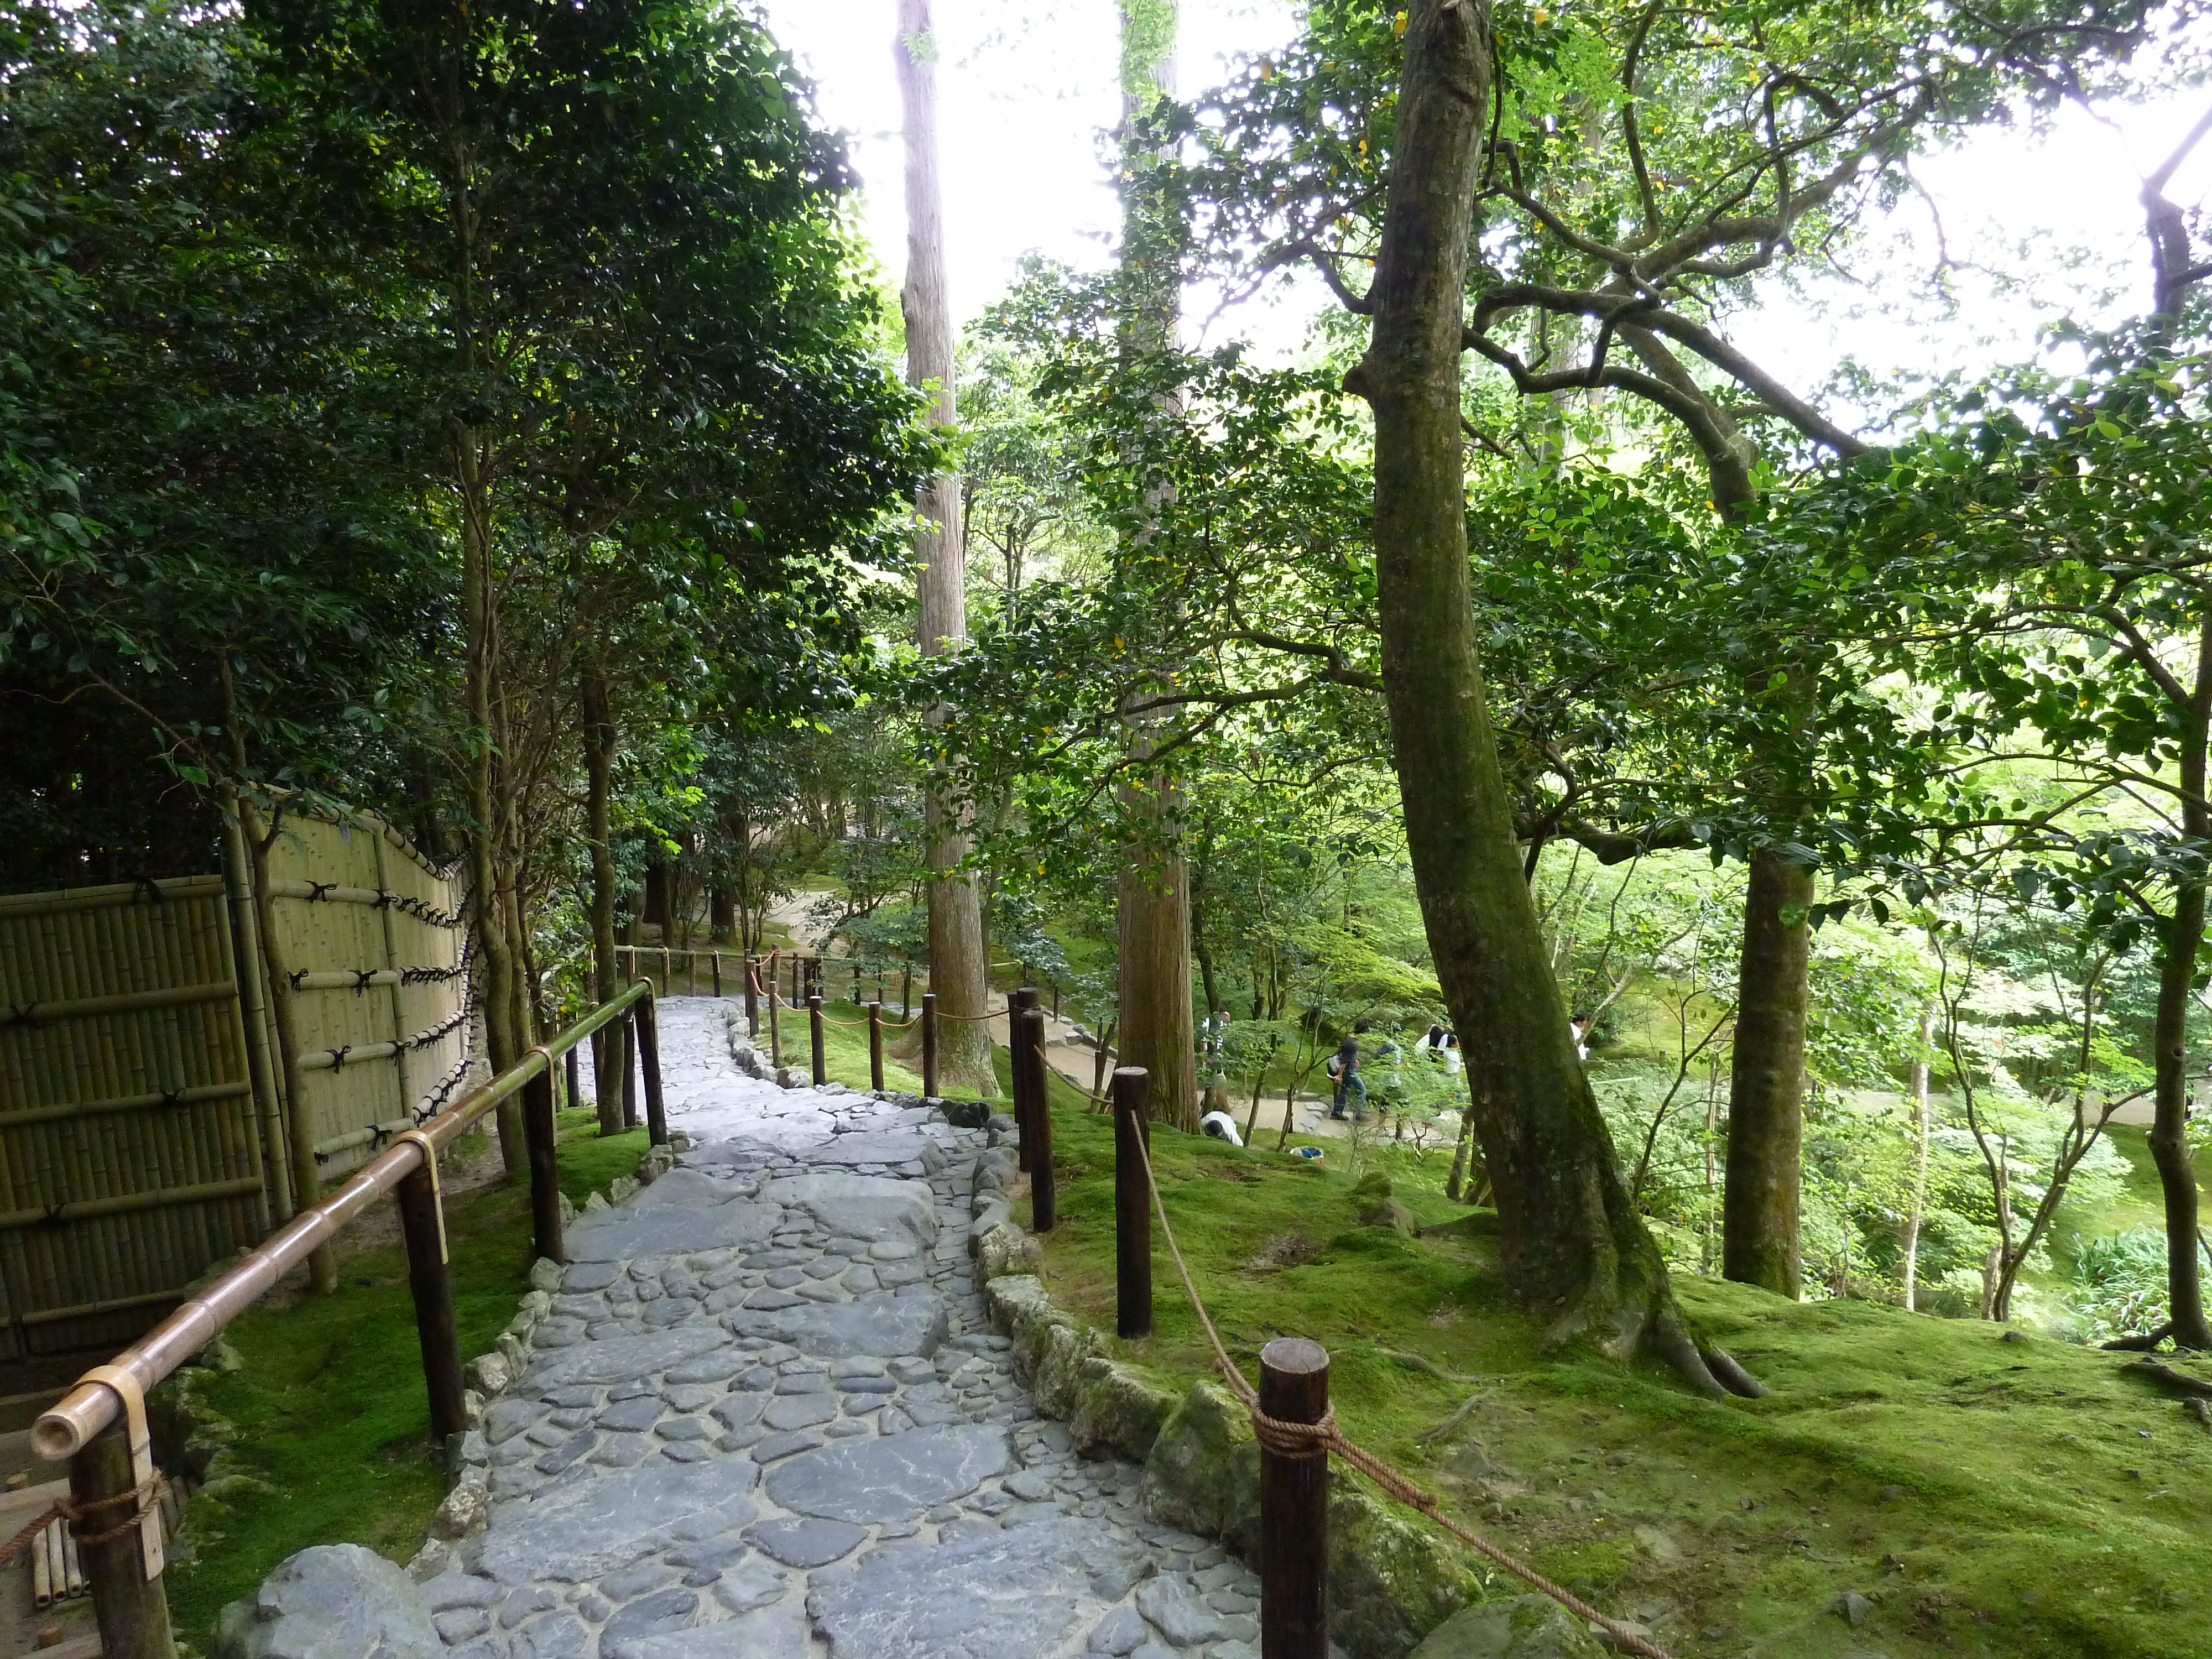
333 1601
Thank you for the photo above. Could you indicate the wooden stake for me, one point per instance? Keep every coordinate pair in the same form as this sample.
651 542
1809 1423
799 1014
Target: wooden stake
1294 1506
906 991
1028 1057
133 1611
1024 1111
1133 1206
423 1226
814 1026
648 1055
717 957
774 1025
544 1167
752 997
569 1067
876 1046
929 1045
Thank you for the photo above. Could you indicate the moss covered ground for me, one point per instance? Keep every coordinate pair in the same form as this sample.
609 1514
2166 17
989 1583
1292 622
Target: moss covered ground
329 1404
1987 1496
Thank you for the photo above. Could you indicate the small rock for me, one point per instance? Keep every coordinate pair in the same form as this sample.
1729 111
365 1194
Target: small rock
1119 1632
1853 1608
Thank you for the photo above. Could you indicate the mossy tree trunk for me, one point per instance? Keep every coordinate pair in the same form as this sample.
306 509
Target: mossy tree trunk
1767 1087
1573 1247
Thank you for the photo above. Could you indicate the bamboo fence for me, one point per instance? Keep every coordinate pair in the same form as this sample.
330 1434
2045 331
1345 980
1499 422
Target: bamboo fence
142 1134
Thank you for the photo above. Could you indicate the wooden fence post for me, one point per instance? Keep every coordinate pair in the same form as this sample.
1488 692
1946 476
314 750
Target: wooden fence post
1294 1506
1133 1206
876 1046
906 991
569 1068
544 1166
752 996
716 958
664 971
626 1041
814 1029
929 1045
422 1227
648 1054
132 1610
775 1024
1029 1056
1020 1002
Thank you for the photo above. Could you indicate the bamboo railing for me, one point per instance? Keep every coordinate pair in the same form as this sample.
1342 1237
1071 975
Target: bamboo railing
100 1427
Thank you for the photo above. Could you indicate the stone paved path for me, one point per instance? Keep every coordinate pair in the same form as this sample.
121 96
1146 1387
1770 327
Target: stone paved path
764 1417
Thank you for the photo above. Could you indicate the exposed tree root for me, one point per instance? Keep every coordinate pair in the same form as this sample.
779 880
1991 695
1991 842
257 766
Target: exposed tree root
2141 1341
1421 1363
2180 1381
1451 1423
1732 1376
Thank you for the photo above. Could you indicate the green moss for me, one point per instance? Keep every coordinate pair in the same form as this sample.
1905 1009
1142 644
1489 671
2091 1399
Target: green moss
329 1406
1979 1490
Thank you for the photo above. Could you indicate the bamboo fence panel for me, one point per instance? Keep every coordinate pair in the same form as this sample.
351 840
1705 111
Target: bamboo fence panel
133 1152
375 938
129 1161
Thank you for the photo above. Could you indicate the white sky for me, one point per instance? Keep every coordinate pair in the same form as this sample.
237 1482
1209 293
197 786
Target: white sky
1027 87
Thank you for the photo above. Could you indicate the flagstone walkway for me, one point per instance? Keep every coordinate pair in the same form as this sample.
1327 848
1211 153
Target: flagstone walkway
765 1417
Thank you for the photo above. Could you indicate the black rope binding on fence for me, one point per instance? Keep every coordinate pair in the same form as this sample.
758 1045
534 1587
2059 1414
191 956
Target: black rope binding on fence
338 1056
362 978
174 1097
150 887
319 891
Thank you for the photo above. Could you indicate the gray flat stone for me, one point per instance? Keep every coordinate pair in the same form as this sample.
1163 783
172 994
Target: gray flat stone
1171 1604
799 1411
621 1358
585 1276
890 1477
588 1529
775 1632
684 1189
658 1614
878 1325
632 1416
624 1234
1119 1632
867 1207
806 1543
716 1365
989 1595
329 1599
784 1445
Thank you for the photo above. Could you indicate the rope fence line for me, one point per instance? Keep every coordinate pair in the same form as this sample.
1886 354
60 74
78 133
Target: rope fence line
1306 1441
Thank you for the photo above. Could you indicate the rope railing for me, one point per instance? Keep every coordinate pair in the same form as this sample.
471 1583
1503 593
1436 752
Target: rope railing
1306 1441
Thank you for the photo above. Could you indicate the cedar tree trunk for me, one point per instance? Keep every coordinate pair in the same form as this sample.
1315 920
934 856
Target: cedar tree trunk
957 970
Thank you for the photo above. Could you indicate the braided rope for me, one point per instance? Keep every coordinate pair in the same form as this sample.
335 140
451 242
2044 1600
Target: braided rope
1306 1441
145 1496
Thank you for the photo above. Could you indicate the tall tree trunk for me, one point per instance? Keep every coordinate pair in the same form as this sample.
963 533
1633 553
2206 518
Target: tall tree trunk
599 740
958 968
1766 1079
1153 893
2178 948
1572 1246
1916 1212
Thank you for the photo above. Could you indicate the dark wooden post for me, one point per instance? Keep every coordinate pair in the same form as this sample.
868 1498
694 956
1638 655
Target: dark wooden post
814 1030
423 1228
906 991
1055 1001
1294 1506
876 1046
1025 1114
716 956
1133 1205
752 996
648 1057
929 1045
664 971
544 1167
774 1026
626 1041
1029 1056
133 1611
576 1088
